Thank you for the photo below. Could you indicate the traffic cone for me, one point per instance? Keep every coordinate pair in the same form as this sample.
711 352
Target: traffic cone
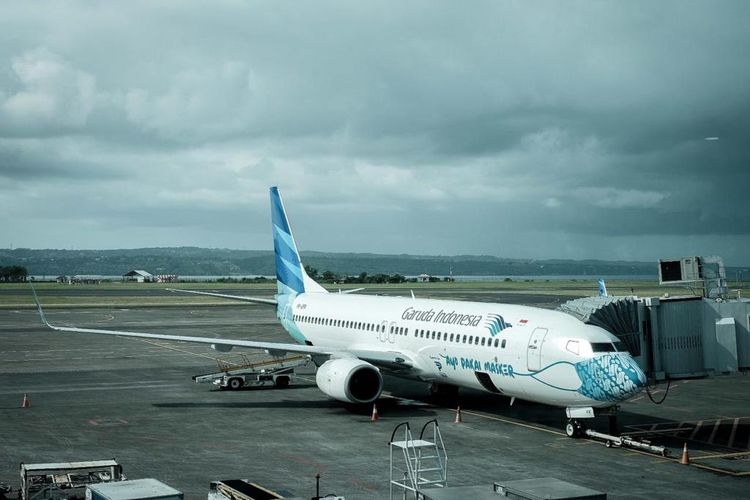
459 418
374 417
26 403
685 459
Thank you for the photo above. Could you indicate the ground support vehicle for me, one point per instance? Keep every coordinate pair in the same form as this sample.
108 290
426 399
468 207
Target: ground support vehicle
278 372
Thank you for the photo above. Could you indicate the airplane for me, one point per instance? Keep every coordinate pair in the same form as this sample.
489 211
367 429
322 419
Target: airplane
517 351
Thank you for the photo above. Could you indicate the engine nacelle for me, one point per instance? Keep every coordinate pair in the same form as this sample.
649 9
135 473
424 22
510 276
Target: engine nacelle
350 380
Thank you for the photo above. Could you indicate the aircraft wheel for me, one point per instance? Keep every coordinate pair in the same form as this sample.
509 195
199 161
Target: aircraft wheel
235 383
446 392
573 429
282 382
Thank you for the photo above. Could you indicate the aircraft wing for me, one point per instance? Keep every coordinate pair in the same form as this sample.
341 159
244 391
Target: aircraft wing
392 361
225 296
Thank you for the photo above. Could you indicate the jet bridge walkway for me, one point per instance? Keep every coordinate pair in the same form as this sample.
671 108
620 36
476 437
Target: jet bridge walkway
674 337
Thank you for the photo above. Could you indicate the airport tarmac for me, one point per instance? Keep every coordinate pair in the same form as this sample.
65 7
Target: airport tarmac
98 397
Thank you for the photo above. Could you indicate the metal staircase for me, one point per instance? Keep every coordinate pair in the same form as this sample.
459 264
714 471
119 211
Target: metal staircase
424 462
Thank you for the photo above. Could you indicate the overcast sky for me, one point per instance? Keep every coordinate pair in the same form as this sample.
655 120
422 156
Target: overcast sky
516 129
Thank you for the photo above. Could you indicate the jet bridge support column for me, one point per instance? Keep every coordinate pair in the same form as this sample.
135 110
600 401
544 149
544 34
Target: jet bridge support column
657 369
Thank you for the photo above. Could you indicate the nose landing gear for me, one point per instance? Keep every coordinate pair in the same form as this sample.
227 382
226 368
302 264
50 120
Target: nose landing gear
575 428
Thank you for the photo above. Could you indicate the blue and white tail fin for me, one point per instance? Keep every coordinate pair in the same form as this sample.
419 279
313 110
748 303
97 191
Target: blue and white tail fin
291 277
602 289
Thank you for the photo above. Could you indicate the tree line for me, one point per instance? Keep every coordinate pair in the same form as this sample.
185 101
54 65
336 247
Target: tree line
13 273
331 277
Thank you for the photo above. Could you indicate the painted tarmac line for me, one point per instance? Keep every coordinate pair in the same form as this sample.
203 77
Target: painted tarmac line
713 432
512 422
93 388
174 348
660 460
721 455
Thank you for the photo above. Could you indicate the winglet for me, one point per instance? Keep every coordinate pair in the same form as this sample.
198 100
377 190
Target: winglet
39 306
602 288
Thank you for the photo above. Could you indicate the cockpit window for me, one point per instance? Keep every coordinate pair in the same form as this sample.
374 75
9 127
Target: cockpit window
605 346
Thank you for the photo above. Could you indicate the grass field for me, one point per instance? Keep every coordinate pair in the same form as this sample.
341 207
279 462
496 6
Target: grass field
18 295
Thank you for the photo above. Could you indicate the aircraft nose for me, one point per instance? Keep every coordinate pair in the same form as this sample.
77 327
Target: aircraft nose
610 377
634 379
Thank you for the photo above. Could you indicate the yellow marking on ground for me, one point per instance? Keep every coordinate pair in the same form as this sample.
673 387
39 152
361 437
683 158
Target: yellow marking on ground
720 471
721 455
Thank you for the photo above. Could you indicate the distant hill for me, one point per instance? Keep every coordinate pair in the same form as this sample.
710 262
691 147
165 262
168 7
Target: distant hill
193 261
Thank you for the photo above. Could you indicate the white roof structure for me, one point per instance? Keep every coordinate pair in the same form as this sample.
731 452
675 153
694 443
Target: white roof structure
139 272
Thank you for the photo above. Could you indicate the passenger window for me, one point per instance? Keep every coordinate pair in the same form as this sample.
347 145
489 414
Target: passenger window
572 346
421 334
464 339
482 340
451 338
433 335
391 329
503 344
438 336
406 331
496 342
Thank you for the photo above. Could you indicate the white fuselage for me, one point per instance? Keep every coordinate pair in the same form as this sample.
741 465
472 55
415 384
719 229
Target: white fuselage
524 352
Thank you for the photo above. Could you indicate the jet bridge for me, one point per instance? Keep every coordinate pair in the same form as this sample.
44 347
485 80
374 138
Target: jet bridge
674 337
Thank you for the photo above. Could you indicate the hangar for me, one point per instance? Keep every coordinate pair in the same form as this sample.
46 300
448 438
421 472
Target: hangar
138 275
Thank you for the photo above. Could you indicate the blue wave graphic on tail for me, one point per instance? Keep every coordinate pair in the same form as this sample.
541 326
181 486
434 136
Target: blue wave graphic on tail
289 270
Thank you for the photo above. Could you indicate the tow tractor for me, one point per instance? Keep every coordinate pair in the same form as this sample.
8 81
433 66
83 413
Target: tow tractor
278 372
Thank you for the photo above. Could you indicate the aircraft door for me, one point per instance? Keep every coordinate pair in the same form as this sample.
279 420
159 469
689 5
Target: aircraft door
383 335
534 350
392 333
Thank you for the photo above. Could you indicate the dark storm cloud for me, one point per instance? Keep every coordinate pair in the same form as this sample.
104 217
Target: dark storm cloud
575 129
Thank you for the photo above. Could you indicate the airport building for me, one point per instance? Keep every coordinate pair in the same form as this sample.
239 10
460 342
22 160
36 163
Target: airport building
675 337
139 276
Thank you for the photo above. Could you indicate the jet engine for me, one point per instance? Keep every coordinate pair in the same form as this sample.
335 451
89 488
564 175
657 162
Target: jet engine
349 379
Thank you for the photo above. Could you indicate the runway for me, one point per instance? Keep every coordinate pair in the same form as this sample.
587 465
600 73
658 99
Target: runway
134 400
